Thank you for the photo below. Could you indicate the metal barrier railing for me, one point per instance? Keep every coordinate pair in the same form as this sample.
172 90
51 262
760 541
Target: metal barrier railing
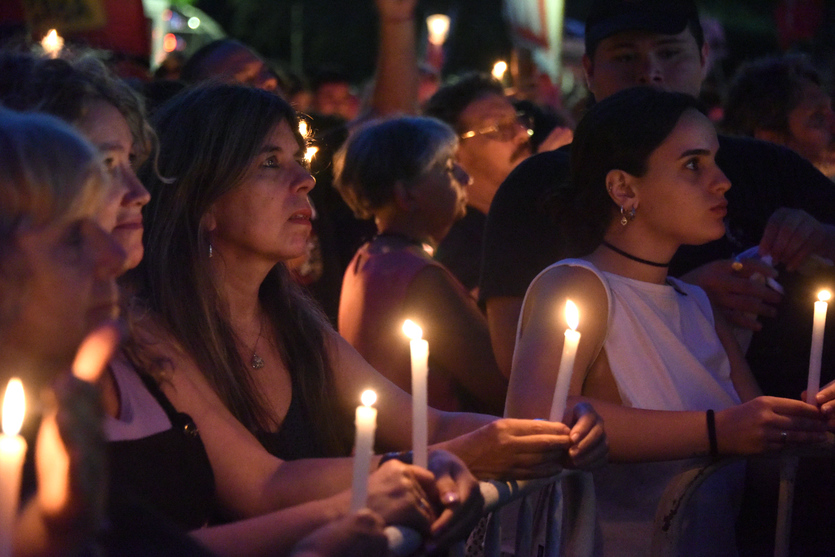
671 510
577 520
497 495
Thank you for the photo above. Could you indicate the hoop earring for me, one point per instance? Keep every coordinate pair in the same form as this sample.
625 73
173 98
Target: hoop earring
211 251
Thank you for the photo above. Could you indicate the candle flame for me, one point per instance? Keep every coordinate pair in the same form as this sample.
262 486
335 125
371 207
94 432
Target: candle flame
14 407
572 315
438 25
824 295
94 353
310 153
412 330
52 43
53 486
499 68
368 397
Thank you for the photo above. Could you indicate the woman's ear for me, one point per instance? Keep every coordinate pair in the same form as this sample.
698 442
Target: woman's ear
209 222
619 186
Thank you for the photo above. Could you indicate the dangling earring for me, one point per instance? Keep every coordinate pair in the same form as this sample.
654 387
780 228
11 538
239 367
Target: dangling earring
632 213
623 220
211 251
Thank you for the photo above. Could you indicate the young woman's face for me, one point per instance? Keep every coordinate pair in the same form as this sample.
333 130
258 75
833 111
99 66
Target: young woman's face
61 284
108 130
682 194
268 214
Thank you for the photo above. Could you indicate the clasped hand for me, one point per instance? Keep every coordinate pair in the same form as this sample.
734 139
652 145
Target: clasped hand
515 449
443 501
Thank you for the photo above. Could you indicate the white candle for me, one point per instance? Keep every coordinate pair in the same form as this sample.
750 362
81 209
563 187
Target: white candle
569 351
366 422
814 381
12 453
420 370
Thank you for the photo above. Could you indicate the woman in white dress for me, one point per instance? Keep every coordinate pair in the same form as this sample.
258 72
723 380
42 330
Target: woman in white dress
656 361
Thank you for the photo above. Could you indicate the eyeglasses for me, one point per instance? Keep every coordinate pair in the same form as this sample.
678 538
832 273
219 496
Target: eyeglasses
503 131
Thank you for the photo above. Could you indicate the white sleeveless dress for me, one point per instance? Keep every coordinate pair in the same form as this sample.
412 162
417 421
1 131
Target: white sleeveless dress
664 354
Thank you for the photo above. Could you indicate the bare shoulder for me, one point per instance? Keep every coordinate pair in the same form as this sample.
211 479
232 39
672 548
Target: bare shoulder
165 358
433 277
557 284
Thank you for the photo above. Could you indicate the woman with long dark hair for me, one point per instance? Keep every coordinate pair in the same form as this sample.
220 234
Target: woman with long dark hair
228 207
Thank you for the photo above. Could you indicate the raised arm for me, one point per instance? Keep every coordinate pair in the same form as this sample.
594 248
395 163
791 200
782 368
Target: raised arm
396 81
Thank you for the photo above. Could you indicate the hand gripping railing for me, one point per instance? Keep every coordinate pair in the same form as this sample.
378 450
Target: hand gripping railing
576 520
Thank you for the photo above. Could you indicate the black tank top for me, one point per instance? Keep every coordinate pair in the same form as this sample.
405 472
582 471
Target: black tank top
168 472
296 437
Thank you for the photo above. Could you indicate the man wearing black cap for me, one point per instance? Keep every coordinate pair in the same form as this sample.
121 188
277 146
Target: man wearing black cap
774 197
778 201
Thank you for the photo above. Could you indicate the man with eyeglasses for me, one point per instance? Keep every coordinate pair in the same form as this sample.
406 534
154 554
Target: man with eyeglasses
494 139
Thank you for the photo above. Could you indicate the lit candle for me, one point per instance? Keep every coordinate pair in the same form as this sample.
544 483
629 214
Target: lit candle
438 26
499 69
814 383
52 43
12 452
569 351
95 352
420 369
366 422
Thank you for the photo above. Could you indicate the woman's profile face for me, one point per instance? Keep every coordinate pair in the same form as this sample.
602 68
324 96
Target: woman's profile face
61 283
682 194
268 214
441 196
105 127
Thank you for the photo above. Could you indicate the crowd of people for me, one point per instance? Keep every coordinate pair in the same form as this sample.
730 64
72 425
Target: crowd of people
198 305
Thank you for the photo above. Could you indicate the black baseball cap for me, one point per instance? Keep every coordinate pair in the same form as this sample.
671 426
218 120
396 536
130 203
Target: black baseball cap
667 17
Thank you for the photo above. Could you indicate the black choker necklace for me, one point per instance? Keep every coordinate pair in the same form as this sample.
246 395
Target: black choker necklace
632 257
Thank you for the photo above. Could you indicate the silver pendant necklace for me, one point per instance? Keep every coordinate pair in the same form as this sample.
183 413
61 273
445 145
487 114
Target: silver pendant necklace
256 362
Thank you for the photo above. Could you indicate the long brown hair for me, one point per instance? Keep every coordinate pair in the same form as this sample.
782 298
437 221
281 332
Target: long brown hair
208 137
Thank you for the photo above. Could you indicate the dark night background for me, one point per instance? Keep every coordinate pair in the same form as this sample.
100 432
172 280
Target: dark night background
343 32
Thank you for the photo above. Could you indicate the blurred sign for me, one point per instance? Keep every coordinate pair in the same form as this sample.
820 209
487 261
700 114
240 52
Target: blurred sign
65 15
537 25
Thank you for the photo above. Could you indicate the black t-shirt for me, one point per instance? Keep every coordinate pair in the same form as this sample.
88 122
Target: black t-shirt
522 237
460 250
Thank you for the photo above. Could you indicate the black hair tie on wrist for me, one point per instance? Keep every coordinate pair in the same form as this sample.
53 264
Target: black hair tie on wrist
711 434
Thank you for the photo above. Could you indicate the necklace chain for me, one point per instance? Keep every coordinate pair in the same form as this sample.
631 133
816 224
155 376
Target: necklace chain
256 362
